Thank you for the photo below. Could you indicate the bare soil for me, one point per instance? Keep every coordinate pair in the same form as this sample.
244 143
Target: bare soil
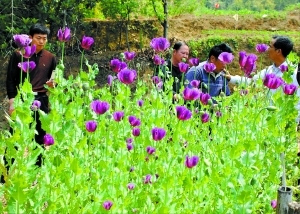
108 43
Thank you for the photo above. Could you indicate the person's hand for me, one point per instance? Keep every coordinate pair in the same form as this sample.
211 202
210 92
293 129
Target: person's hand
51 83
227 75
11 106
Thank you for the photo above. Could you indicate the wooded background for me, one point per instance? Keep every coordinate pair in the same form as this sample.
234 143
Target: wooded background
16 16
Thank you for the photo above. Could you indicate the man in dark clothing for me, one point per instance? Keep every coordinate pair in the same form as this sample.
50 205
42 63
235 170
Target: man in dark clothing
180 53
38 77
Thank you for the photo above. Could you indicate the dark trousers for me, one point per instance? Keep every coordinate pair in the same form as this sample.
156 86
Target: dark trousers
39 138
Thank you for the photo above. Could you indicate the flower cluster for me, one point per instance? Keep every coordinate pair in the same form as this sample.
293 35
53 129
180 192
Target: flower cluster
124 74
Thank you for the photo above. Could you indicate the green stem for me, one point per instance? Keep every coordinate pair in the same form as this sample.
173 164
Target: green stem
182 78
27 71
208 83
62 53
81 60
21 80
225 81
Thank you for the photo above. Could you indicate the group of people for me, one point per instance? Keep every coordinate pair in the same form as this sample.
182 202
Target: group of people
217 81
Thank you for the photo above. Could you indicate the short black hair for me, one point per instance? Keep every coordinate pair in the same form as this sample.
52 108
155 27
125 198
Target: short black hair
178 45
38 29
218 49
283 43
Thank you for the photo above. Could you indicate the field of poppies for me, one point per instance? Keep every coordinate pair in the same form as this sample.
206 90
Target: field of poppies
130 147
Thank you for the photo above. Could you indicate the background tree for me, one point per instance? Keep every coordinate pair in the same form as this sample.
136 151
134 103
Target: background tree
17 16
120 10
160 9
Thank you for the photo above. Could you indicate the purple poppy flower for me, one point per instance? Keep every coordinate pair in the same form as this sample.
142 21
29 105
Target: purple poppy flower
226 57
27 66
140 103
158 133
134 121
110 79
160 85
35 105
118 116
190 162
87 42
150 150
22 40
205 117
209 67
272 81
261 48
107 205
130 186
136 132
157 60
242 58
48 140
127 76
283 68
129 146
129 55
195 83
156 80
160 44
99 107
289 89
274 204
218 114
204 97
64 35
147 179
244 92
117 65
129 140
183 67
91 125
183 113
29 51
250 65
191 93
194 61
123 65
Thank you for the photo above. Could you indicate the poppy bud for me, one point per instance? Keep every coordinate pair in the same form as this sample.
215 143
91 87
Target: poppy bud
271 108
61 66
201 112
85 86
122 55
204 85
